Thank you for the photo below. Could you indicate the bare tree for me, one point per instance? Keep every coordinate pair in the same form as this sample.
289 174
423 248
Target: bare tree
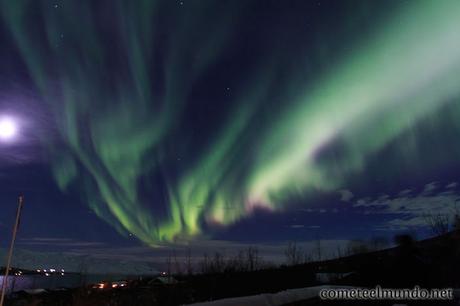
378 243
188 261
168 264
307 257
437 222
252 258
339 251
293 253
456 212
205 264
239 263
177 265
318 249
236 263
357 247
218 262
245 260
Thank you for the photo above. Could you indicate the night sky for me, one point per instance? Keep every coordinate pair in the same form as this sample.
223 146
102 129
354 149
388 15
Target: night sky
143 126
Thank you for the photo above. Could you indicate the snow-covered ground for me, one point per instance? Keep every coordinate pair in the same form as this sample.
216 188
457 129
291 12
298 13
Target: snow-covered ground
270 299
283 297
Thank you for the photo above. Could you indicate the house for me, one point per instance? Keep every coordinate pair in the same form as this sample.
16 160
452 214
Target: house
163 280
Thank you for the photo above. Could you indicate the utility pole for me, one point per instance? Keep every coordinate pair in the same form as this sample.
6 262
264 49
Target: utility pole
10 252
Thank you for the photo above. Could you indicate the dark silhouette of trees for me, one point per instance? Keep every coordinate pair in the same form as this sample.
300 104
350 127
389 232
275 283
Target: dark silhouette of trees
456 223
357 247
438 223
294 254
246 260
378 243
188 261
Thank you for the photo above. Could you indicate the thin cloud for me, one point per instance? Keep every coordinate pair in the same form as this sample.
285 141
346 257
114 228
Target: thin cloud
407 212
58 242
405 193
346 195
430 187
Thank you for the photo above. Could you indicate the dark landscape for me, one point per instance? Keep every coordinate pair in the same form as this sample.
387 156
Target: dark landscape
429 263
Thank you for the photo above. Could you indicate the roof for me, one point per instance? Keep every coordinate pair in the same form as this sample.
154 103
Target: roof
166 280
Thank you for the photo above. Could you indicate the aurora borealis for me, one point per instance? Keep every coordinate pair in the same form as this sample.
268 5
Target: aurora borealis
178 119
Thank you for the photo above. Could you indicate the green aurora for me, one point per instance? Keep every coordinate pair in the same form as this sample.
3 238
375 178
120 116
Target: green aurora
118 126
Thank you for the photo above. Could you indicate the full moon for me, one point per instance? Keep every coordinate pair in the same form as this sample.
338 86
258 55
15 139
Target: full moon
8 128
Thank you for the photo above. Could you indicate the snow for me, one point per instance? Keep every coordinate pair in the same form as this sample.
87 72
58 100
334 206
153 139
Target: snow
270 299
283 297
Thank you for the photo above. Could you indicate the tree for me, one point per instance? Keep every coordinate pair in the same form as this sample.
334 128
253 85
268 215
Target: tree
205 264
252 258
245 260
177 265
188 261
357 247
456 223
307 257
318 249
293 253
218 263
378 243
339 251
438 223
168 264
